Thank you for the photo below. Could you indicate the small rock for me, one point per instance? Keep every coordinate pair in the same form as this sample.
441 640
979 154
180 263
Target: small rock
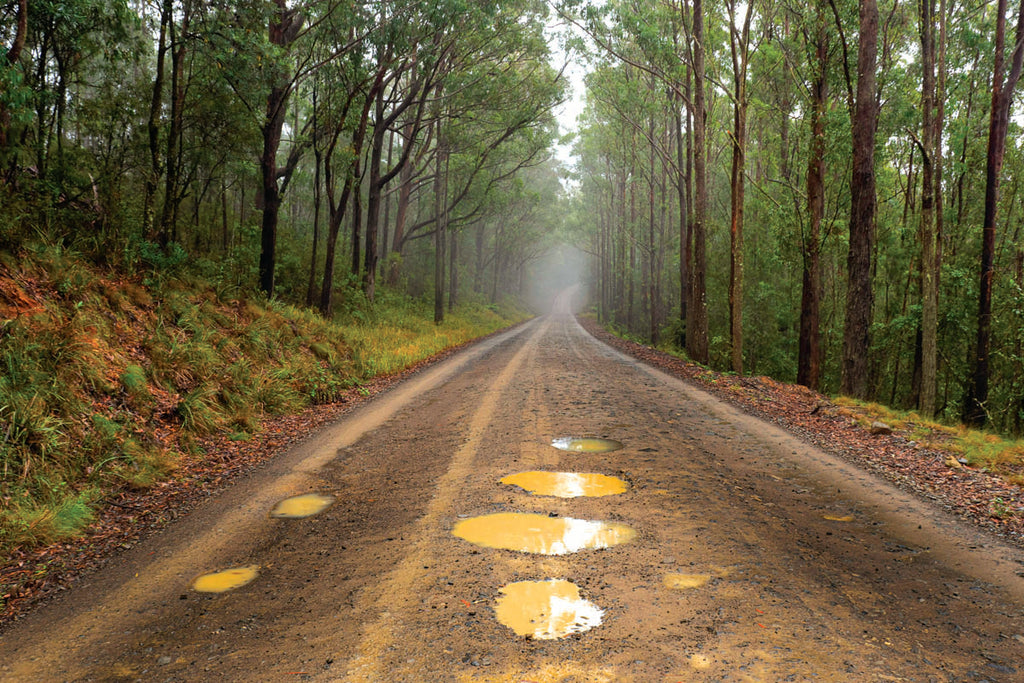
164 661
880 428
953 462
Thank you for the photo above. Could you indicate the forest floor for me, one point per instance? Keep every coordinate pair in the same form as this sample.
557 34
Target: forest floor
931 472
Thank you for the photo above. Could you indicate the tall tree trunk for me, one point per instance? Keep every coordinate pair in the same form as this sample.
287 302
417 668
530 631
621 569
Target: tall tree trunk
317 164
453 271
153 127
375 192
809 348
11 58
697 308
859 298
681 118
740 45
684 233
357 221
172 176
441 222
652 272
402 209
285 25
927 234
975 410
386 204
225 229
478 271
338 209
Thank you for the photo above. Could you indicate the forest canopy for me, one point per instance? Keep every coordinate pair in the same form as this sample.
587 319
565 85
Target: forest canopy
821 191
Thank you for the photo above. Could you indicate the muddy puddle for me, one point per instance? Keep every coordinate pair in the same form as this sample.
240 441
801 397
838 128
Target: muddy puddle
838 518
566 484
541 534
300 507
546 610
228 579
586 444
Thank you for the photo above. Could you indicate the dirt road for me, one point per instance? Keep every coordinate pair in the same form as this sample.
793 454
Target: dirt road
744 555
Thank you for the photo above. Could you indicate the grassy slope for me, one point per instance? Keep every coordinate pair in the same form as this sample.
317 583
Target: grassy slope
105 381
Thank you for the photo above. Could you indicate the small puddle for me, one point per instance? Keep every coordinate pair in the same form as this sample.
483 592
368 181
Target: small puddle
566 484
530 533
299 507
546 610
588 444
686 581
229 579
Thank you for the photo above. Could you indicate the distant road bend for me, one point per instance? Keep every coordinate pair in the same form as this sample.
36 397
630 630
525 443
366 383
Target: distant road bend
730 551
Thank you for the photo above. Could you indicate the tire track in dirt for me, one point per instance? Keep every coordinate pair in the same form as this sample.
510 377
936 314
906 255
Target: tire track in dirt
395 591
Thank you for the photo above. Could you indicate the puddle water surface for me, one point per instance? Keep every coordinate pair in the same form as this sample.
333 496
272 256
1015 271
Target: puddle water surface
838 518
541 534
298 507
566 484
588 444
546 610
229 579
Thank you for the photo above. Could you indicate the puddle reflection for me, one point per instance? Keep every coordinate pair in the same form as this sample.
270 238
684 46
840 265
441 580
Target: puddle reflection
838 518
566 484
546 610
299 507
530 533
588 444
229 579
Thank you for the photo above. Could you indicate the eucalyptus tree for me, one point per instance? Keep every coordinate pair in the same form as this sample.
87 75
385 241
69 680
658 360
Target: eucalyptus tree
1003 84
859 298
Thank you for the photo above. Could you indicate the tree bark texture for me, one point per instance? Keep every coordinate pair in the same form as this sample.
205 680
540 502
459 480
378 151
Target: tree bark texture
809 345
859 296
697 308
927 233
284 27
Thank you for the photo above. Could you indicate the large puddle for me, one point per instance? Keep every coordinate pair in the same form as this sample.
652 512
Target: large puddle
546 610
299 507
587 444
530 533
228 579
566 484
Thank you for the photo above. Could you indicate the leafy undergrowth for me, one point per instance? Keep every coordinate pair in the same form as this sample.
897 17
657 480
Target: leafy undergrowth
108 382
